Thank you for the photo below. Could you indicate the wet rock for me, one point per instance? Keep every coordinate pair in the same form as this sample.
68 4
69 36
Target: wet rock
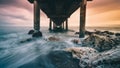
97 32
103 33
76 41
107 59
37 34
58 29
31 32
76 32
81 52
117 34
63 59
111 33
101 43
54 59
26 40
108 32
116 40
86 32
53 39
84 54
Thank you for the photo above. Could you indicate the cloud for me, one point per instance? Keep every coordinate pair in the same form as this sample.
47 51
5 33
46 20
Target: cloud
16 3
13 16
20 12
101 6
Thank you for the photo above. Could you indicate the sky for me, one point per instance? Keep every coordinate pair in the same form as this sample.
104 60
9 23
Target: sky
99 13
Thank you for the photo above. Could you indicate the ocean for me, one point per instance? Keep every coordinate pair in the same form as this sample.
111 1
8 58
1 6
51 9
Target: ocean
15 51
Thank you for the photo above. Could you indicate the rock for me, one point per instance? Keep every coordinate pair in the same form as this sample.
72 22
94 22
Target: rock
101 43
76 32
53 39
76 41
81 52
98 32
108 32
58 29
111 33
54 59
86 32
37 34
117 34
63 59
110 59
116 40
84 54
26 40
31 32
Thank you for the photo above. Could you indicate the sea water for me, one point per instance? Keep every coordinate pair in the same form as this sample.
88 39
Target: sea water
13 53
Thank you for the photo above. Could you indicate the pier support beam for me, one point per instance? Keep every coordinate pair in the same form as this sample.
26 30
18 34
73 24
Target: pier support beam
36 16
36 33
54 26
82 19
63 26
66 24
50 25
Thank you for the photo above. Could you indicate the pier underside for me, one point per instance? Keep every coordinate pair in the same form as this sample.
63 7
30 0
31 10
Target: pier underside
59 11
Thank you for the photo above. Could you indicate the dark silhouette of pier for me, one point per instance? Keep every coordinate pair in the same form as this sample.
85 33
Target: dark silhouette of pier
59 11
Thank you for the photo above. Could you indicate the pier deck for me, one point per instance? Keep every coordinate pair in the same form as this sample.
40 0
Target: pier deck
59 11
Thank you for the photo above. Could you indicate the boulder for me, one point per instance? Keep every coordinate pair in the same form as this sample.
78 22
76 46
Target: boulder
76 32
101 43
117 34
53 39
84 54
108 32
81 52
86 32
108 59
31 32
26 40
63 59
37 34
54 59
76 41
116 40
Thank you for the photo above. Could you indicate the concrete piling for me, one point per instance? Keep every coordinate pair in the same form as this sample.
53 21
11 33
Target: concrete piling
82 20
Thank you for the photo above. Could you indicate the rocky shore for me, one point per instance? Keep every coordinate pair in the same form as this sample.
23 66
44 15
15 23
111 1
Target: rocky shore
100 49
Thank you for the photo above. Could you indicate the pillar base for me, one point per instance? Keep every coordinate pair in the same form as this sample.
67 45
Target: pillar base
58 29
31 32
81 36
50 29
37 34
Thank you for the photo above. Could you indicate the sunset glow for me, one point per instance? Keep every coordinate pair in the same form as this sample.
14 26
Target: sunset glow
99 13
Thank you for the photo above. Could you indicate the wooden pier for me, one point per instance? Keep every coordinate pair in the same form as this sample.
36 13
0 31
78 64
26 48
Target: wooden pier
58 11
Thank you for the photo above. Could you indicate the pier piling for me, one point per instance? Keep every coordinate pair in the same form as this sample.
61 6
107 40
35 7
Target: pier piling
66 24
50 25
82 19
37 32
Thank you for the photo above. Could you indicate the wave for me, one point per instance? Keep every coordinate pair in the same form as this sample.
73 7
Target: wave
19 50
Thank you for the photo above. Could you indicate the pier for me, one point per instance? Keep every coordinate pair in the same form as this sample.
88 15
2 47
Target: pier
58 11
